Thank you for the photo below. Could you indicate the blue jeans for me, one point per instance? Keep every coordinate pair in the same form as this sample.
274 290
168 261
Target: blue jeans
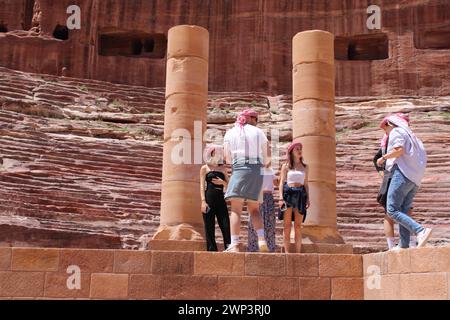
399 200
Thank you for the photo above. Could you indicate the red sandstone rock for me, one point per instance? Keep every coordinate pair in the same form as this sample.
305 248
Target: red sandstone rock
219 263
109 286
232 288
145 286
70 181
412 33
347 289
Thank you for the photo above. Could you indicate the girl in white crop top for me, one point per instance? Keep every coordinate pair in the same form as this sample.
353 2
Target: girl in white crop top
296 176
293 195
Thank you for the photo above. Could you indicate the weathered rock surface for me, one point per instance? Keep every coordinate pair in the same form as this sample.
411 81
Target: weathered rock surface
251 42
81 160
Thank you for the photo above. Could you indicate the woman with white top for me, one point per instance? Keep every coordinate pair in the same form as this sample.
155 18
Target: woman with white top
267 211
294 194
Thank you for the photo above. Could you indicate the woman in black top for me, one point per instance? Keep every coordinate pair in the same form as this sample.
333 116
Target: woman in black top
214 175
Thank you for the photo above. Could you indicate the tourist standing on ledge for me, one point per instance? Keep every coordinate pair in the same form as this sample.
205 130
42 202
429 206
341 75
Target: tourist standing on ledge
382 194
293 195
267 210
213 201
246 148
406 161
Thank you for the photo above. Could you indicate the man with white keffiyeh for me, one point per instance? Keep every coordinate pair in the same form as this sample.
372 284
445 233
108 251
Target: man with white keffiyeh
406 159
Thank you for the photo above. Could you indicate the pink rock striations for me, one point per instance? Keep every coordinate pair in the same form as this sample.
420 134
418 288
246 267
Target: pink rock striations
81 160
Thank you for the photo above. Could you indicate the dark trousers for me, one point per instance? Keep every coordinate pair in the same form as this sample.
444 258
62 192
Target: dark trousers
223 220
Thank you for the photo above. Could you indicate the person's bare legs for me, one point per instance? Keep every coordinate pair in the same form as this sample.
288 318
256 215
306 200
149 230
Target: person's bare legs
235 224
253 210
388 227
235 216
258 224
287 220
298 218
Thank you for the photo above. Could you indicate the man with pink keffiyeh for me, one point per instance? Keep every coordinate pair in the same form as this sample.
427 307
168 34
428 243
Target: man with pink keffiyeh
388 223
406 161
246 149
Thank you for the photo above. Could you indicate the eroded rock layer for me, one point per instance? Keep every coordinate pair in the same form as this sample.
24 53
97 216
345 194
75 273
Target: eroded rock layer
81 160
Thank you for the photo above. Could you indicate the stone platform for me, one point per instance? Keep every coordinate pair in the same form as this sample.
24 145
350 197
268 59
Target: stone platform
118 274
35 273
408 274
180 245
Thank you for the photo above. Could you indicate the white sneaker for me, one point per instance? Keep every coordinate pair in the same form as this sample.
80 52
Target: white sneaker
234 247
263 246
397 248
423 236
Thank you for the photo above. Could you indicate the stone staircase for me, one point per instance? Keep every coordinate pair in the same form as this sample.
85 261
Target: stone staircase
81 160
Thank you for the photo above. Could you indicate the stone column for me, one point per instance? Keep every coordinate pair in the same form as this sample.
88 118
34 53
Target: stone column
314 126
184 124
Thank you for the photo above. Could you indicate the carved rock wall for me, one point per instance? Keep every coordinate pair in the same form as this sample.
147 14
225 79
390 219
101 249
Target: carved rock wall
250 42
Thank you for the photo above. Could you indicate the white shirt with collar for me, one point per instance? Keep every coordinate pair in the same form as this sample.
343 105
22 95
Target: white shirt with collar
413 161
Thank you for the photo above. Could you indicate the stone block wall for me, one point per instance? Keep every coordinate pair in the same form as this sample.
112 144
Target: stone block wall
250 42
35 273
120 274
408 274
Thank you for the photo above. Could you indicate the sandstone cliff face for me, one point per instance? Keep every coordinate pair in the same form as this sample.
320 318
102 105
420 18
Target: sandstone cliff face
250 42
80 160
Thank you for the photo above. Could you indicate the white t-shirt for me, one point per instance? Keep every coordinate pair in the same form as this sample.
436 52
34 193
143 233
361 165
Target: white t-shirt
413 162
245 142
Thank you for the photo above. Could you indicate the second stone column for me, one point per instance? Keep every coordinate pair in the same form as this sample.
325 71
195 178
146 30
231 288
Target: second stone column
314 126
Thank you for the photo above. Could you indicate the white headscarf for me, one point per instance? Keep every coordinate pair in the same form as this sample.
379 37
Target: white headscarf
416 145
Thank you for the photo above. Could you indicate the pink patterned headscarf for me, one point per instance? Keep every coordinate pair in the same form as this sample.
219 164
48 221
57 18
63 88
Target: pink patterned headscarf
242 119
399 121
384 122
291 147
403 116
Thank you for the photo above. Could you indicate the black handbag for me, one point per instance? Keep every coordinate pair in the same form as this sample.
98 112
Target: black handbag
281 211
382 194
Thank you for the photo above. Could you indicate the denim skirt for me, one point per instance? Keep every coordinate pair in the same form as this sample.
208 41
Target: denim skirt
246 180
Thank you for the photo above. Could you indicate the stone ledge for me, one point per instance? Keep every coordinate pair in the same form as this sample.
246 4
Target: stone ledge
412 274
194 245
415 260
40 273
